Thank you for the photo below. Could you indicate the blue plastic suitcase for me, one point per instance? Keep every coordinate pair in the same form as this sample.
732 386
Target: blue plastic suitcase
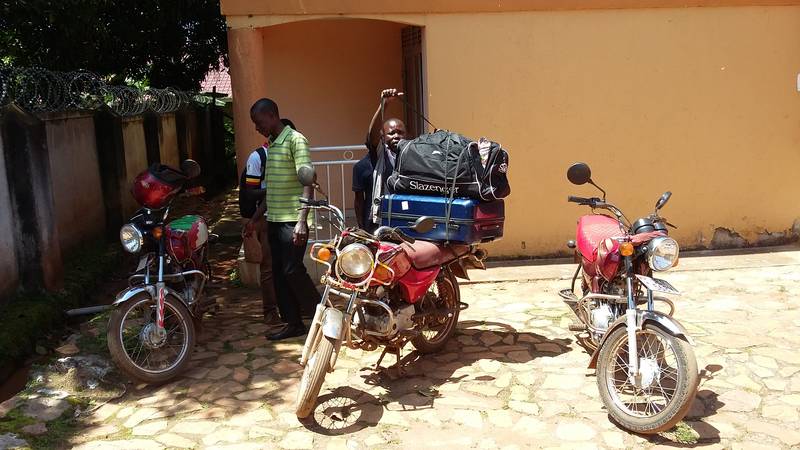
471 221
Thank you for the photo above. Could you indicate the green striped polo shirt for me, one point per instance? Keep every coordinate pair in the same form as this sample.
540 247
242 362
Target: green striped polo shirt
287 153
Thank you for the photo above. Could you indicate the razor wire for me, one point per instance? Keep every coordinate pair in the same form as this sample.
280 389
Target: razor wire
40 90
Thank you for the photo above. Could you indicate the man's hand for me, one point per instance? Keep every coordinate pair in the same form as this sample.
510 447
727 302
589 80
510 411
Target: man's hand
389 94
300 235
248 229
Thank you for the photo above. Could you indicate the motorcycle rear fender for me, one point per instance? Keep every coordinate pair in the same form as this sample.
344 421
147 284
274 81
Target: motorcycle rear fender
666 322
332 323
133 291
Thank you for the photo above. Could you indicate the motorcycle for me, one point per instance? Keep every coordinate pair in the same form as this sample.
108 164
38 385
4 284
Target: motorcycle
152 327
645 365
395 290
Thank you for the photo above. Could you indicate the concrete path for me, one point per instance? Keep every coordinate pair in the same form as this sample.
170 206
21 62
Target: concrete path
513 376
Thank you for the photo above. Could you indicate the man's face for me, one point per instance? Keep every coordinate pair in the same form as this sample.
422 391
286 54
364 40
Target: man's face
264 122
393 132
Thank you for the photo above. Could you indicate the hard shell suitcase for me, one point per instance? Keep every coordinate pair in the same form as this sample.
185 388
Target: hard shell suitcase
470 221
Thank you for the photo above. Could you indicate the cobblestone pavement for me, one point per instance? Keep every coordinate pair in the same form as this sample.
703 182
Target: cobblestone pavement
512 377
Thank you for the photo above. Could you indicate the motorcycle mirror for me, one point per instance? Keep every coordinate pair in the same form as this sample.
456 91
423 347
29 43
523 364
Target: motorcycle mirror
579 173
663 200
307 176
423 225
190 168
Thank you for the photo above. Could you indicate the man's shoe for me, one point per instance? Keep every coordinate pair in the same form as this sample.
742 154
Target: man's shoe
288 332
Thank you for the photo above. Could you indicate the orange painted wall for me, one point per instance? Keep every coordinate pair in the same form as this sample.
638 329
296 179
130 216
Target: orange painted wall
701 101
327 75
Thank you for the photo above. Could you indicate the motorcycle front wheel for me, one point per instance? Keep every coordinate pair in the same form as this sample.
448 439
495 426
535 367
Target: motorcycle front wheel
313 376
663 393
139 350
438 329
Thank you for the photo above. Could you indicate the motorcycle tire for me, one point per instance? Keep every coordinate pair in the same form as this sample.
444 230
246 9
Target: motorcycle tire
684 391
124 362
313 377
421 342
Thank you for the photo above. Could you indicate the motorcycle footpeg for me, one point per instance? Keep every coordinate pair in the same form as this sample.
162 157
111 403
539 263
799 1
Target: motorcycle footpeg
577 327
568 296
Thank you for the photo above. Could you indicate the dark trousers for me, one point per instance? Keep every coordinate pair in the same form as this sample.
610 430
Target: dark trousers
268 296
292 283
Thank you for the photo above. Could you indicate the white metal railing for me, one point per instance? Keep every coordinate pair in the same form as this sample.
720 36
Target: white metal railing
337 183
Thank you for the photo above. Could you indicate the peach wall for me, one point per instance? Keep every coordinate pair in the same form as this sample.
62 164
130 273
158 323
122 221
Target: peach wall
327 75
701 101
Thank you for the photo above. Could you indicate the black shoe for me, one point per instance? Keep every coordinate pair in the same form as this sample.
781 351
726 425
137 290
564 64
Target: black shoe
289 332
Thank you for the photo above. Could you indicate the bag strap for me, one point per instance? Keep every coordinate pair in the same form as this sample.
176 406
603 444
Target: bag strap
262 153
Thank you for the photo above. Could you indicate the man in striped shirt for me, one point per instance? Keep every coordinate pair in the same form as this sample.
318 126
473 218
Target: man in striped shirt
287 228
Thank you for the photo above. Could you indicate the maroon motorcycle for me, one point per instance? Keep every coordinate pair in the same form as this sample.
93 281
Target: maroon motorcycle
151 332
646 368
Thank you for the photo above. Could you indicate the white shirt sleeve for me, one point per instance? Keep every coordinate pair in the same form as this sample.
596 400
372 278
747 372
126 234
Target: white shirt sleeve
254 169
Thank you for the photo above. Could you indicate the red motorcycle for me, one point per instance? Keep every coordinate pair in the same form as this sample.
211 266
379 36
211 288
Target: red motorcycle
151 332
381 290
646 368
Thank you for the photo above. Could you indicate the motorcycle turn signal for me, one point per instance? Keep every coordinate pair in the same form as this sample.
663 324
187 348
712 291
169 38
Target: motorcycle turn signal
626 249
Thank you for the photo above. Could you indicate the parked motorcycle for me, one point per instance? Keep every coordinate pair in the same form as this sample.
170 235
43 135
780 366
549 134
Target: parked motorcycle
646 367
394 289
151 332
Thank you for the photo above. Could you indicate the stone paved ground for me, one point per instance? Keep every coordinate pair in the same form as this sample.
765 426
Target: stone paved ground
513 377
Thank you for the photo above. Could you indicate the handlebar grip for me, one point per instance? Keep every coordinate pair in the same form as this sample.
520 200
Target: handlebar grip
574 199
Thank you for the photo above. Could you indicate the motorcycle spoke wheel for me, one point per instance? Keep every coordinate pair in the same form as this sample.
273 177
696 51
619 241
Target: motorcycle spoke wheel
153 355
437 329
661 394
139 350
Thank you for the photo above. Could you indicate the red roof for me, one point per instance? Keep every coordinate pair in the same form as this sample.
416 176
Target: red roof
219 78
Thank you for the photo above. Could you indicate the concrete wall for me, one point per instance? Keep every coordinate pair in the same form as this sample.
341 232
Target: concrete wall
135 160
699 101
75 177
168 141
9 275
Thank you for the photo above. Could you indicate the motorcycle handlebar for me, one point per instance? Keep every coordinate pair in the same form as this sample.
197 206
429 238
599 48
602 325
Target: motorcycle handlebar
309 202
579 200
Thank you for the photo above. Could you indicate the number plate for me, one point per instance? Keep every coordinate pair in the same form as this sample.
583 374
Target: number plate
656 285
142 263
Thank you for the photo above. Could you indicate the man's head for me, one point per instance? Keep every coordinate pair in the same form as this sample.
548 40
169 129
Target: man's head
393 131
264 114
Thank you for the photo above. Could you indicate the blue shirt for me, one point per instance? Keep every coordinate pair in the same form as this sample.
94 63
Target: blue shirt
362 182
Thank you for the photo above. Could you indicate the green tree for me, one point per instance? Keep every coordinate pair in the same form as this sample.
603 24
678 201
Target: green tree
164 42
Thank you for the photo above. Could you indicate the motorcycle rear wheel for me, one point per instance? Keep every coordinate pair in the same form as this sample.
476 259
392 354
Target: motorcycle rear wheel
313 377
669 369
129 349
440 329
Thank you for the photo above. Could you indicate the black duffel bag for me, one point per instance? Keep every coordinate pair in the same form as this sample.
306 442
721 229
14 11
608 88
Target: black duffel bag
448 164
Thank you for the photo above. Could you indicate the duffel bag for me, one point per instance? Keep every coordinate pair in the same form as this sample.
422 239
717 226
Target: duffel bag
448 164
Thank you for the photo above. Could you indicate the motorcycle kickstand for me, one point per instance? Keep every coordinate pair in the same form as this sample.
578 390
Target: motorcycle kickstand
397 367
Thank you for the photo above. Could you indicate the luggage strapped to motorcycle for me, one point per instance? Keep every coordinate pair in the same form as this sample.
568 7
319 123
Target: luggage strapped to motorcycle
448 208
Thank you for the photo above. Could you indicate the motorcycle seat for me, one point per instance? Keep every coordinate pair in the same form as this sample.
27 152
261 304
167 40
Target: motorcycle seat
592 230
424 254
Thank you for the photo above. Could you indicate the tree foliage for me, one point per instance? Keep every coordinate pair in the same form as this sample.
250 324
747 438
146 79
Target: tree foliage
164 42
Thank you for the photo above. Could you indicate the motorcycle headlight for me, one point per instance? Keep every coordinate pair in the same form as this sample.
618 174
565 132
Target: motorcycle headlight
131 238
662 253
355 260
